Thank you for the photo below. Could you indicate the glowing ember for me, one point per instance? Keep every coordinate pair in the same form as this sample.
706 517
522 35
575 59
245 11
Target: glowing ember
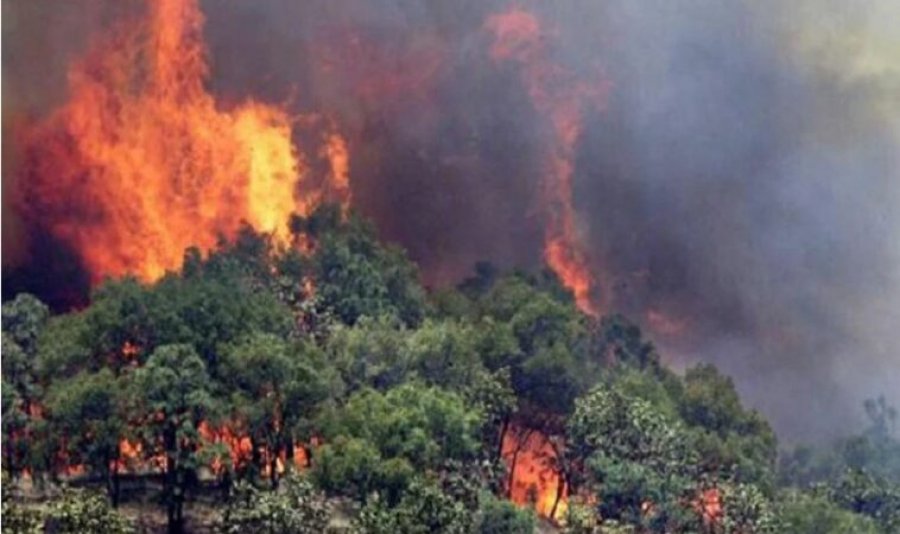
142 162
534 475
557 94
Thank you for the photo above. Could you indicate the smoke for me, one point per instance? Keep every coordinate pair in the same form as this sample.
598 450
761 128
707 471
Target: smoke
744 183
736 194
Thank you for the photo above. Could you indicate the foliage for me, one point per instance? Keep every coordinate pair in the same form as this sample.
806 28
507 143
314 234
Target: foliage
424 508
636 460
81 512
870 495
355 275
497 516
71 512
746 509
369 353
171 395
275 389
802 513
581 518
24 318
88 410
730 440
298 508
382 438
401 401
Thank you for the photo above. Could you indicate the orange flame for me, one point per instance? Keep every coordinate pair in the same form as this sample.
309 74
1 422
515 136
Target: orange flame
534 478
557 94
709 506
335 150
142 162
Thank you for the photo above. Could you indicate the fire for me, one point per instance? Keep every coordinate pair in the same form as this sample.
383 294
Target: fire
142 161
709 505
534 477
336 151
561 97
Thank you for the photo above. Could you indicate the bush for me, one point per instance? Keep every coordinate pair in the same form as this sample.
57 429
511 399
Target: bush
73 512
298 508
424 508
83 512
503 517
807 514
746 509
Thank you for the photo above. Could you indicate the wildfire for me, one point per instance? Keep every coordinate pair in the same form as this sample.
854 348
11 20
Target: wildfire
561 97
142 162
534 476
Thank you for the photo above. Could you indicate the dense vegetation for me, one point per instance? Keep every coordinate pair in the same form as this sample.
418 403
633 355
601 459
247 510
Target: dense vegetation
328 390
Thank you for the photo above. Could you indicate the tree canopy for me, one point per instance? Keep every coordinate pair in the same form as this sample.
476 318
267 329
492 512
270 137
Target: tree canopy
328 367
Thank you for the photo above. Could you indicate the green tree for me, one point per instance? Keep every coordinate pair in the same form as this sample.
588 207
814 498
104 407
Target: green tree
746 510
275 392
24 318
370 353
802 513
621 342
730 440
864 493
355 275
87 414
379 439
171 395
550 337
635 459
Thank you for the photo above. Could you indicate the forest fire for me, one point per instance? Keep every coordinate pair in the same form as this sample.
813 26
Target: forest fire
561 97
398 267
142 162
534 473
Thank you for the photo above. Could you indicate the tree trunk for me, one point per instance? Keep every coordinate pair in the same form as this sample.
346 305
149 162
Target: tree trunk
289 449
560 487
563 477
112 482
171 483
273 470
504 426
512 466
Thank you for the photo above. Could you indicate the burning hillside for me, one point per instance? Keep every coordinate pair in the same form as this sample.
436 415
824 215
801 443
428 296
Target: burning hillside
250 229
699 169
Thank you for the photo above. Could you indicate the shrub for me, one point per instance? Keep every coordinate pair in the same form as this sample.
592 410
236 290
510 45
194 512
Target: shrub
297 508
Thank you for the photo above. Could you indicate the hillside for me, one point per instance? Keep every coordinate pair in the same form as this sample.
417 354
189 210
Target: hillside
265 388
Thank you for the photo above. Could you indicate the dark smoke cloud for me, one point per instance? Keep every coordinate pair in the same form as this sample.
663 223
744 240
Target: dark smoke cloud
741 186
738 192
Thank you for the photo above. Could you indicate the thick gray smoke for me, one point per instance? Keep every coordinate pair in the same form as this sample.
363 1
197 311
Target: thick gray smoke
739 192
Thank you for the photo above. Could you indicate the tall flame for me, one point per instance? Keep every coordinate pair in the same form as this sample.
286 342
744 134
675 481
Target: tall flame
534 474
142 162
557 94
